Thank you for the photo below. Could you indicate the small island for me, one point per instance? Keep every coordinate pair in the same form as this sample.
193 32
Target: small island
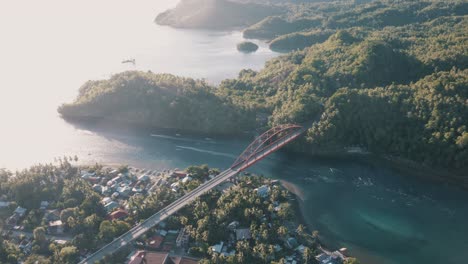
247 47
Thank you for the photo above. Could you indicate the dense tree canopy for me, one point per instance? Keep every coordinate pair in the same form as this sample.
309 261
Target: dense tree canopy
388 76
158 100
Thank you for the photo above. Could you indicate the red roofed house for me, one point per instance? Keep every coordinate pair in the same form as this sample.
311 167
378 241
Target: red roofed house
155 242
117 215
182 260
179 174
145 257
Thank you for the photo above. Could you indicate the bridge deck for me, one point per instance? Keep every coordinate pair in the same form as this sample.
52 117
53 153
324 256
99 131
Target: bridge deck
153 220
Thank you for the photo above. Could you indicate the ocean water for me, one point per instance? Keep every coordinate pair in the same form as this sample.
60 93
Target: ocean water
49 48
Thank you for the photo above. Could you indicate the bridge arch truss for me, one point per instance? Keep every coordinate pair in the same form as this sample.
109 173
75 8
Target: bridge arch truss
279 135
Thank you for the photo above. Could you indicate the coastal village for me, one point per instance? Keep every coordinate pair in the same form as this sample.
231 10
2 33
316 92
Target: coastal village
119 188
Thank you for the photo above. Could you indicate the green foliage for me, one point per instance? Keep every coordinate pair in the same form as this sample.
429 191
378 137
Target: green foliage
299 40
274 26
247 47
61 185
207 14
159 100
388 76
211 214
40 234
37 259
111 229
155 201
68 255
424 121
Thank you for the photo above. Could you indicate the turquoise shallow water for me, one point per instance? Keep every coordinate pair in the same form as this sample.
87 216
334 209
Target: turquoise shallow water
382 216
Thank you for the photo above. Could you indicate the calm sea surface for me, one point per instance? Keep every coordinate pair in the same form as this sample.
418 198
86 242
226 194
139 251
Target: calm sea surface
49 48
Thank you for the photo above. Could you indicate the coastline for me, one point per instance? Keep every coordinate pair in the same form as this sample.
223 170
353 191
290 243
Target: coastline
400 165
298 206
405 166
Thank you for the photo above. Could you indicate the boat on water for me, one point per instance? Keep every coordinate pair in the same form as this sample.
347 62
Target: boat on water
132 61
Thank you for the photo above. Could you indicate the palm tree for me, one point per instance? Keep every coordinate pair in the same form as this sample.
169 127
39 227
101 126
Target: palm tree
307 255
282 231
300 230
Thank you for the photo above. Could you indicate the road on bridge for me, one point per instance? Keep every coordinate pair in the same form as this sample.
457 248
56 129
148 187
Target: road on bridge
258 152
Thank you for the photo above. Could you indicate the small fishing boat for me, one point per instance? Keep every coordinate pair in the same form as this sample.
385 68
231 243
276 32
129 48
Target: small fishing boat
129 61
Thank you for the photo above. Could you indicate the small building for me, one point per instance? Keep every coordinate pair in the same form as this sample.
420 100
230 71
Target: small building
86 175
137 190
44 205
243 234
117 179
186 179
218 248
106 200
175 186
233 225
118 215
106 190
98 188
291 242
144 178
55 227
144 257
51 215
300 249
182 260
111 206
179 174
94 180
124 191
183 238
167 247
61 241
20 211
26 246
326 257
4 204
263 191
278 248
155 242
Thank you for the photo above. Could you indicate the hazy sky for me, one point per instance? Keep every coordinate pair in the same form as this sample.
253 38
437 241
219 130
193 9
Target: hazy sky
49 48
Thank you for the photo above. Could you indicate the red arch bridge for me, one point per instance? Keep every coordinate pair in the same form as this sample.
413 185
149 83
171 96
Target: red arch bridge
262 146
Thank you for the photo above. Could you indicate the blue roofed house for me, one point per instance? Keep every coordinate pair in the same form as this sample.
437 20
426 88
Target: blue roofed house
263 191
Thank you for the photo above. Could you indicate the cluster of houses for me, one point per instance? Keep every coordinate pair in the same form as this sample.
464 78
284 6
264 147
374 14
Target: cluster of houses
165 245
238 233
14 220
116 188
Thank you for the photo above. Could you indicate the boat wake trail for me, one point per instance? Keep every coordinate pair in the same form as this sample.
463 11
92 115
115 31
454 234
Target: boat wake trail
208 151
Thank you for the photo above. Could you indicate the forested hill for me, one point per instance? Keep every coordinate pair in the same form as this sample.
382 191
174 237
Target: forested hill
216 14
158 100
390 84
